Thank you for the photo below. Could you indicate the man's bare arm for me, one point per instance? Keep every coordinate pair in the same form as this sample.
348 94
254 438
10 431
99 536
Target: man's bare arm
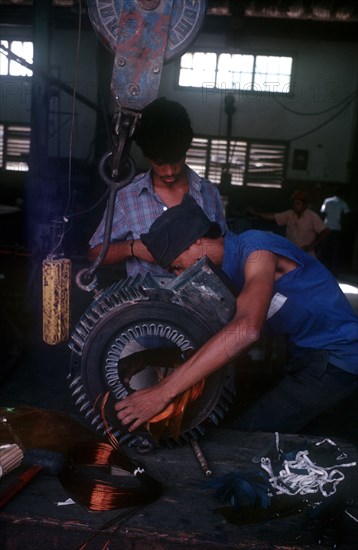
121 251
267 216
251 309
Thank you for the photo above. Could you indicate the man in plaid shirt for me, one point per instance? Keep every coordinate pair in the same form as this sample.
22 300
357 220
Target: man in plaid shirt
164 136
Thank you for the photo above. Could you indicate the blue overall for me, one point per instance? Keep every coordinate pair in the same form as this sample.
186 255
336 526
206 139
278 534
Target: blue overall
321 329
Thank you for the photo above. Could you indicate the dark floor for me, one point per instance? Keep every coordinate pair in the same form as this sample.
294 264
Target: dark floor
33 373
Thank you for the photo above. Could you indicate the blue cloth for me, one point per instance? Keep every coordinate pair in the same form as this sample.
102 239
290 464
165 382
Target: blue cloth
321 329
312 311
137 206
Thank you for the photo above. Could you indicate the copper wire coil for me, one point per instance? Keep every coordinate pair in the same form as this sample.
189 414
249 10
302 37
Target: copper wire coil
88 478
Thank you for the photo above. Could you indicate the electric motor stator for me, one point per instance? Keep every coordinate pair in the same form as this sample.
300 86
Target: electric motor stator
140 311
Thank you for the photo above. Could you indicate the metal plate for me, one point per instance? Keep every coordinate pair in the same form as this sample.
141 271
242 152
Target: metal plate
187 18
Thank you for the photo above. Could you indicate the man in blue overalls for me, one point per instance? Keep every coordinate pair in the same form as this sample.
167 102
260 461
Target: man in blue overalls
282 289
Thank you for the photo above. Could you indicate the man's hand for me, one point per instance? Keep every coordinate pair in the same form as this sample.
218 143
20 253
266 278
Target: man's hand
141 406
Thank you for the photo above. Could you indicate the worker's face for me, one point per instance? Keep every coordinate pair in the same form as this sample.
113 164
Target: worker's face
298 206
168 173
187 258
200 248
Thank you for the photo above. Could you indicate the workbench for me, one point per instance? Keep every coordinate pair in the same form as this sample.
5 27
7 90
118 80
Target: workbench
187 515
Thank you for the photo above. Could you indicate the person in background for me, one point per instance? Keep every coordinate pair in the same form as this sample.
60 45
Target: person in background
164 136
333 210
281 289
303 226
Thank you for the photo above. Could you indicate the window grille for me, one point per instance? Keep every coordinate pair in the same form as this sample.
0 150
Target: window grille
249 163
14 147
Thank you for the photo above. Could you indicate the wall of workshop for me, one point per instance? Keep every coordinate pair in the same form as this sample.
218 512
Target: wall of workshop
326 73
15 107
15 92
63 66
312 118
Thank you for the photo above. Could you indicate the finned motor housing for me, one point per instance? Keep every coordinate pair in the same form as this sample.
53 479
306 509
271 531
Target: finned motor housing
185 312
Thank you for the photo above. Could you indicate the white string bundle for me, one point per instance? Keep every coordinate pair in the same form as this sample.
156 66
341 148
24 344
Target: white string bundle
302 476
11 457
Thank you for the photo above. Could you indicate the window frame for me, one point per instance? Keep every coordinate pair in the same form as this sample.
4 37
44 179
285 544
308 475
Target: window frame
11 40
244 90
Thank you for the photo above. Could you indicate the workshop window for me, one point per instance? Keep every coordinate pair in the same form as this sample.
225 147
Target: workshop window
14 147
249 163
9 67
225 71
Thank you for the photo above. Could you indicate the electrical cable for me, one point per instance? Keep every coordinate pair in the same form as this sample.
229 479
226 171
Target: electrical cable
90 209
344 103
325 122
74 94
73 116
74 104
349 98
56 269
118 521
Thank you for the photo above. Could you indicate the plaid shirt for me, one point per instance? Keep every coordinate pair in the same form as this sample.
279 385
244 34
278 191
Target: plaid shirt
137 206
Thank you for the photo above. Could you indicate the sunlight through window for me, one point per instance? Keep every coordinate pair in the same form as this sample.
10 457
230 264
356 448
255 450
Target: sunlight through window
264 73
11 67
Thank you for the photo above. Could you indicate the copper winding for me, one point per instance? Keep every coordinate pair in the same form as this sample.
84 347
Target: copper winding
178 406
171 418
112 439
87 472
87 476
168 422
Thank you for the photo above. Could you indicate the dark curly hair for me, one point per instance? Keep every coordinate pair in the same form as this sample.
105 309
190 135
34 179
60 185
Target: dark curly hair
165 131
